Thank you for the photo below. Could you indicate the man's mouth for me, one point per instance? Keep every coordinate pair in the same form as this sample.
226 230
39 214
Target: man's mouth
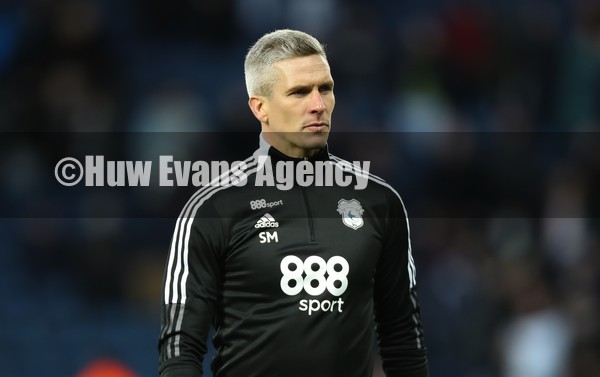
316 127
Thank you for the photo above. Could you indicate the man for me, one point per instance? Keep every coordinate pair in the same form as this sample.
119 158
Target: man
292 279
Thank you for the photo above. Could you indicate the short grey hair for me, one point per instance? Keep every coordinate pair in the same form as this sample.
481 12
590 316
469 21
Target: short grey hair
274 47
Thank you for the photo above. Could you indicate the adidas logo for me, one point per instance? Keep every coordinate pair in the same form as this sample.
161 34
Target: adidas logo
267 221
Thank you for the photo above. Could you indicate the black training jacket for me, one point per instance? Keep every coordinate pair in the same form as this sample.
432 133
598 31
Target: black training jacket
308 282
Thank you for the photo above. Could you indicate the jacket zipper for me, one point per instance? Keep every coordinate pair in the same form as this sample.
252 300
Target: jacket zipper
311 225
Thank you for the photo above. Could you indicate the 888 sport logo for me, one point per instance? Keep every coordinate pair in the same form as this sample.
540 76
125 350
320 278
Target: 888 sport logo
314 276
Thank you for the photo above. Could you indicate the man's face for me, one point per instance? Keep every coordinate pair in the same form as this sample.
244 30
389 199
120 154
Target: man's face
297 114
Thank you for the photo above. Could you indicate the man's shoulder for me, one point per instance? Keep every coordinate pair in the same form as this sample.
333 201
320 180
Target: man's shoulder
226 191
373 184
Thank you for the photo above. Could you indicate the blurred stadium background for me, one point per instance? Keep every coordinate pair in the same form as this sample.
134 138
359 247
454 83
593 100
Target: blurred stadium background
483 114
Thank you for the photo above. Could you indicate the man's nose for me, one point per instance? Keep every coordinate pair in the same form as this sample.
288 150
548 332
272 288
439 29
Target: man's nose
317 105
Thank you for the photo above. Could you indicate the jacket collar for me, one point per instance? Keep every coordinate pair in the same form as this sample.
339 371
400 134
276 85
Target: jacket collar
266 149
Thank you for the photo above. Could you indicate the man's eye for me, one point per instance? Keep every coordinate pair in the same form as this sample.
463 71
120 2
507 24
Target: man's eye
299 92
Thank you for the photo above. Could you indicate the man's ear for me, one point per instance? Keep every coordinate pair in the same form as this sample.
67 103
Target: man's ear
259 108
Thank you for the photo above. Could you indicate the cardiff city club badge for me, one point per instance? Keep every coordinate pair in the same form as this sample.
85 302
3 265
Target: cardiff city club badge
351 212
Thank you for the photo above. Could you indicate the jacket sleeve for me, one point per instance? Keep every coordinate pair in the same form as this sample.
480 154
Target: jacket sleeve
190 289
398 322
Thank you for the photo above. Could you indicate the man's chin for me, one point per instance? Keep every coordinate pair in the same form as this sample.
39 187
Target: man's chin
314 140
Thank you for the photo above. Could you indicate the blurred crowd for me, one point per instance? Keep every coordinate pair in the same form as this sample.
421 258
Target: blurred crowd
483 114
